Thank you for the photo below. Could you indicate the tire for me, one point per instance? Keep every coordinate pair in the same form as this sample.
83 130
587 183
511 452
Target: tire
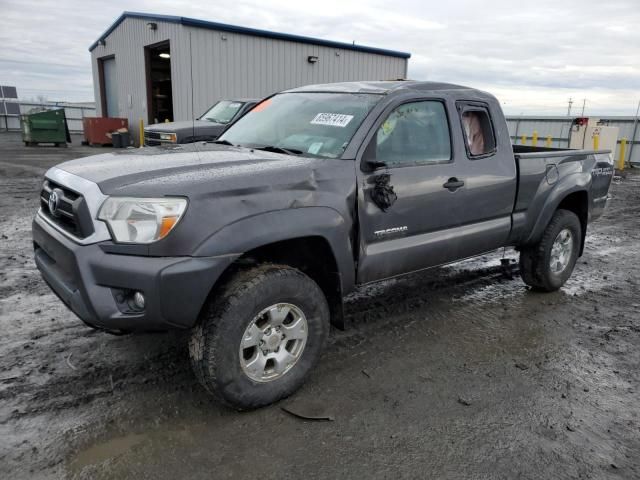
217 359
536 266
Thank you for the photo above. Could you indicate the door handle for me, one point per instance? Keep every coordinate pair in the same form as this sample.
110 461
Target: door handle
453 184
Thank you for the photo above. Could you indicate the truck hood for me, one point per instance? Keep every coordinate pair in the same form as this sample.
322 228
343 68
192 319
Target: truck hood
226 186
198 129
183 126
193 169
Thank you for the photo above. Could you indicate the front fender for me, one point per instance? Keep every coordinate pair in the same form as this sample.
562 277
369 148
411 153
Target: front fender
263 229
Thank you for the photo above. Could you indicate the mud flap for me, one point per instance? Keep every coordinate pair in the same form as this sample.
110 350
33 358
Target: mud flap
336 304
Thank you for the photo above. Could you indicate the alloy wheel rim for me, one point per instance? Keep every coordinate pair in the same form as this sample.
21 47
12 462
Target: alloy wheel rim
273 342
561 251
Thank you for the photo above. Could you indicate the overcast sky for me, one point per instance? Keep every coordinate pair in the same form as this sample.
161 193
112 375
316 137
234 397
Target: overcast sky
532 55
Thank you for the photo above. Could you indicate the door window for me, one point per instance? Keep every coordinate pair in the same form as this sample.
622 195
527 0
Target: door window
414 133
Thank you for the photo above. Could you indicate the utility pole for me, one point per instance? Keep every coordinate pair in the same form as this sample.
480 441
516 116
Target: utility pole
584 102
569 109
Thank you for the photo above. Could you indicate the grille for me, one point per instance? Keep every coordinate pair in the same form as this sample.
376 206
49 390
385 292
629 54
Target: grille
152 139
71 215
153 135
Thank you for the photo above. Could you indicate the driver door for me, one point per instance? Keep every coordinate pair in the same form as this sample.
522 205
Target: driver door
409 200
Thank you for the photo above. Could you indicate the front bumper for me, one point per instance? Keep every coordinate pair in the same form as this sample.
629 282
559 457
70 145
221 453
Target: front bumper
92 282
152 139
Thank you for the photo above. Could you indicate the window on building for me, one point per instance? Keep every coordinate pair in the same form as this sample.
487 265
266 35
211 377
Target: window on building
414 133
478 131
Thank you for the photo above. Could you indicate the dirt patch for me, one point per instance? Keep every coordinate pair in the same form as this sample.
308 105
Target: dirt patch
456 373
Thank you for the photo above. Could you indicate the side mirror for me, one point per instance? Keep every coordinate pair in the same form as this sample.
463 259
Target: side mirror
374 164
370 159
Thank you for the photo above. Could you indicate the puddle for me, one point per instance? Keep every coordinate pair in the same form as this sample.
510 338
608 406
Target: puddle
102 452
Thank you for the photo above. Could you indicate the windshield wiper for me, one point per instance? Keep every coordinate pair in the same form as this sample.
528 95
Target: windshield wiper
222 142
274 149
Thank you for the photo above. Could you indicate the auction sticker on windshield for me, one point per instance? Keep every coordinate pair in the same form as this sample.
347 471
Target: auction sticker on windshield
332 119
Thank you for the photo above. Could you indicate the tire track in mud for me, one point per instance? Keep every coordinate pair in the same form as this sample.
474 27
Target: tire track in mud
418 297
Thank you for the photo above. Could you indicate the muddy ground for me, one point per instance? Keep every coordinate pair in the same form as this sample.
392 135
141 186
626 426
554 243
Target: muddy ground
455 373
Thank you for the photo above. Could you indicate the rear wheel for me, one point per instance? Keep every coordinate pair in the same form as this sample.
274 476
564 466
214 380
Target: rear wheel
547 265
260 337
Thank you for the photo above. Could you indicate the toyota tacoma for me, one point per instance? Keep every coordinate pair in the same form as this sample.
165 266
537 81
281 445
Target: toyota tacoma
252 241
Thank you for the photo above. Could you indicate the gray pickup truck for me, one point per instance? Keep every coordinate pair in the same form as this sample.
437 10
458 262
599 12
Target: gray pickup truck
206 128
252 242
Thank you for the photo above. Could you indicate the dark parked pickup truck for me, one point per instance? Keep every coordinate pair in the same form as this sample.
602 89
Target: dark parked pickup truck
252 242
206 128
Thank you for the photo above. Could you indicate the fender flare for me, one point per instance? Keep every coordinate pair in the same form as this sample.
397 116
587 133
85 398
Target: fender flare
565 187
266 228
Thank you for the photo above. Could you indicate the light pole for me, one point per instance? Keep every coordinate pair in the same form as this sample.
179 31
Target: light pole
569 109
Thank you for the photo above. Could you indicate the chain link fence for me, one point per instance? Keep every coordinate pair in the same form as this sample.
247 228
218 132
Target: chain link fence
10 112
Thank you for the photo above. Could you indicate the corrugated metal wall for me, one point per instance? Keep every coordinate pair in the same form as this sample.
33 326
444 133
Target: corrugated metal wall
127 44
249 66
226 65
559 128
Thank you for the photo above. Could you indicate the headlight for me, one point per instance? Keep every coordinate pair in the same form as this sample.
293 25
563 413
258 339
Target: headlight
141 220
170 137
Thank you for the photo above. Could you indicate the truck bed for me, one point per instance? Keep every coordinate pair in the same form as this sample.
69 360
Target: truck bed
543 171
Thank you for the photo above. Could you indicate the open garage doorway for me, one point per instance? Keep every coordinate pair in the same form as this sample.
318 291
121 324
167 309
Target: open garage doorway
159 91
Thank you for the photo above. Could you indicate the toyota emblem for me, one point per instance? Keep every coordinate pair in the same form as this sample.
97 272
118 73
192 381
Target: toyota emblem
53 202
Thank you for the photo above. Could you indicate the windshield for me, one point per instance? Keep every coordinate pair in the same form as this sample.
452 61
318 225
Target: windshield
318 124
222 112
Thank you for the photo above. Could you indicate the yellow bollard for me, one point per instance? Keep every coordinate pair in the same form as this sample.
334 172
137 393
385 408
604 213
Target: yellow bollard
596 142
534 139
623 150
141 133
523 139
548 142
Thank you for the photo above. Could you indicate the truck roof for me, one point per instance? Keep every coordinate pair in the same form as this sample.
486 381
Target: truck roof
380 87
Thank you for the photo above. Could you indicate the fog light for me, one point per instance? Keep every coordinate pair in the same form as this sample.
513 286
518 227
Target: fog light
138 300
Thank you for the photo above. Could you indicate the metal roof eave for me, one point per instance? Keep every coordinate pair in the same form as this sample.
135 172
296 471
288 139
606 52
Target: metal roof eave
192 22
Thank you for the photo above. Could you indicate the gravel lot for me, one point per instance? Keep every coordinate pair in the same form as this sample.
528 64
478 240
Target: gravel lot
460 372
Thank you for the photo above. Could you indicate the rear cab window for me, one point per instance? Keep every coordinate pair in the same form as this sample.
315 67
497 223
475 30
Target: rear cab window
477 129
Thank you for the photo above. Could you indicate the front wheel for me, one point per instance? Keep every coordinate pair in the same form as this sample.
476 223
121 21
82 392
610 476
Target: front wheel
260 337
547 265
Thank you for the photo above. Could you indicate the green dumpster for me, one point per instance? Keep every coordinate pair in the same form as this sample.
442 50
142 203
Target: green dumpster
45 127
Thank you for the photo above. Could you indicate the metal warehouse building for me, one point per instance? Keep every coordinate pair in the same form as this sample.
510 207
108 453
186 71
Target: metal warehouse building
144 65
